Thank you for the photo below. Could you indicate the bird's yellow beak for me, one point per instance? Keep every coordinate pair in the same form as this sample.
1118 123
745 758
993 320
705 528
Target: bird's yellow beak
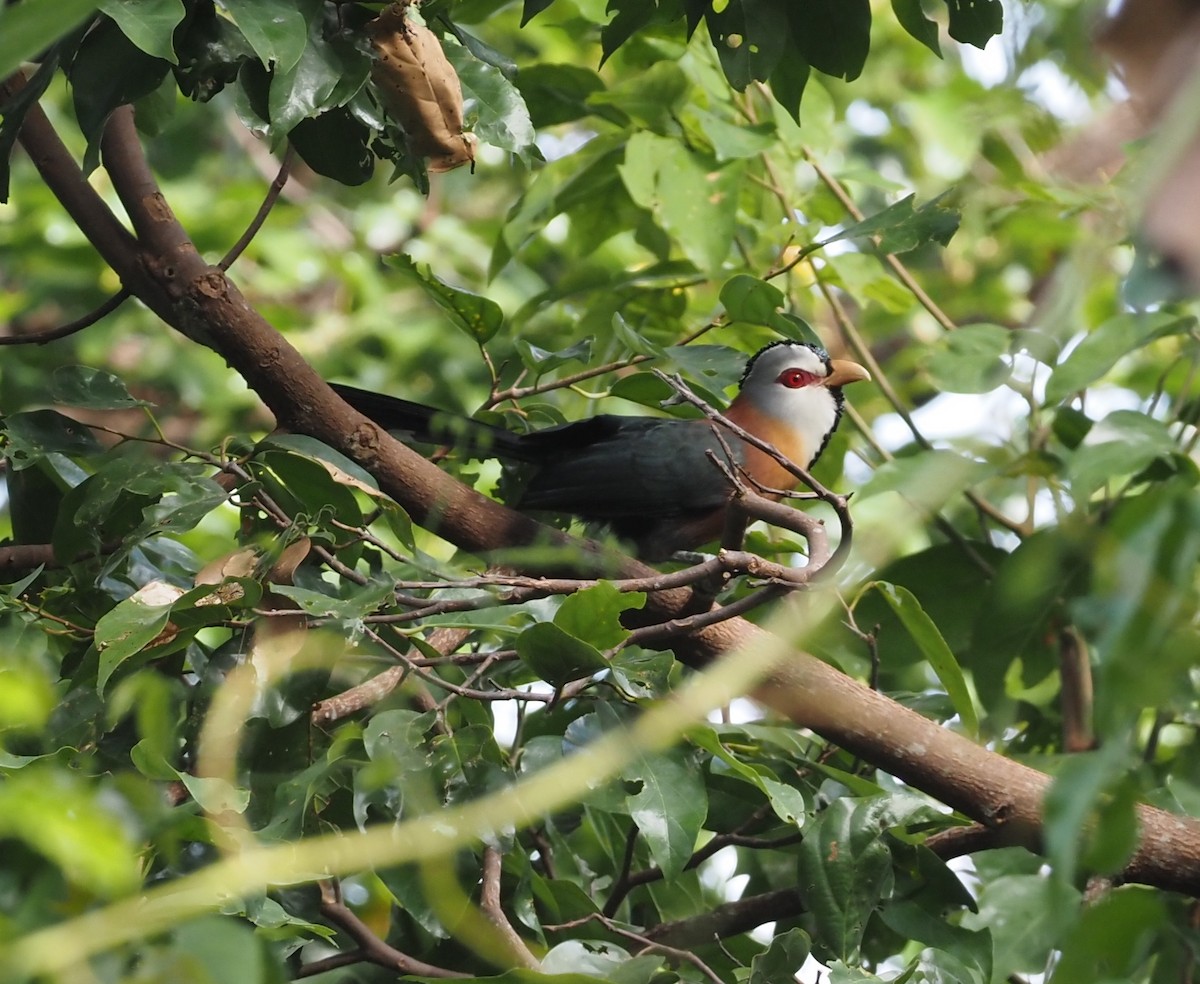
843 371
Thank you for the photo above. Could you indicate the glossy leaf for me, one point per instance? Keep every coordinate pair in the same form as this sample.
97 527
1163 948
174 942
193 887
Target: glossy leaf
1099 351
557 656
970 359
901 228
669 810
149 24
925 633
276 29
975 21
781 959
844 871
29 27
694 200
480 317
493 104
912 18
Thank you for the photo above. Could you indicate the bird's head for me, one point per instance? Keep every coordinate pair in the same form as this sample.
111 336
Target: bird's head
799 387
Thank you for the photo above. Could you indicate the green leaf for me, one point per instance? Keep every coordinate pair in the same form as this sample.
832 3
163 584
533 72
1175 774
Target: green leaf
1071 426
751 37
214 795
396 738
1143 600
669 810
733 141
926 634
1100 350
970 359
844 871
971 948
81 386
221 949
531 8
73 825
33 435
901 228
788 83
276 29
927 479
328 74
589 175
1119 446
653 98
150 24
1070 804
595 614
751 299
1026 915
693 199
109 71
1016 616
754 301
912 18
975 21
211 52
125 630
541 361
480 317
501 117
833 36
557 93
630 17
336 145
361 601
788 802
557 656
26 28
781 959
1115 937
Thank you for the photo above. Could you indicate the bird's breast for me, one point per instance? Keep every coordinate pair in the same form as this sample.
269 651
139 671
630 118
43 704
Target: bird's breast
759 465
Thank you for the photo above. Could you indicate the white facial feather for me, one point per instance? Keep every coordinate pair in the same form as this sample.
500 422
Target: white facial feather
813 410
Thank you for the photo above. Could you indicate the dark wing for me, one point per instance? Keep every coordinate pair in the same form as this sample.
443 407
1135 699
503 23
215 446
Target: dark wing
609 467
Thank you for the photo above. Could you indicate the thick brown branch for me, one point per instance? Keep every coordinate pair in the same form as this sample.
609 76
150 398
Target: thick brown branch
489 903
729 919
372 691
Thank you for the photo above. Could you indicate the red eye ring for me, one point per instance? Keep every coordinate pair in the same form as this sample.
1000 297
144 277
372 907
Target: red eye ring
794 378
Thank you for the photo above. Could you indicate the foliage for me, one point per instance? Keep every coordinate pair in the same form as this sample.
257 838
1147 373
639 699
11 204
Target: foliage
654 181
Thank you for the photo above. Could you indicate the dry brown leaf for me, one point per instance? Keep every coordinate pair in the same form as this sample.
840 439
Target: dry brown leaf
241 563
419 88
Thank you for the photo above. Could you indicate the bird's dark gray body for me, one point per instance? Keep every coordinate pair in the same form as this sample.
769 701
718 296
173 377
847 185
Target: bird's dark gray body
652 480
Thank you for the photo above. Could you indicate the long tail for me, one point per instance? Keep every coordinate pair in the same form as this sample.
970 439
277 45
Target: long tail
429 425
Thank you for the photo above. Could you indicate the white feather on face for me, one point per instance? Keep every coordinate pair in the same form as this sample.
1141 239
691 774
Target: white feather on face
799 400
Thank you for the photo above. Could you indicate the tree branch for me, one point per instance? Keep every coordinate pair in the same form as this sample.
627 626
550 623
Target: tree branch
371 948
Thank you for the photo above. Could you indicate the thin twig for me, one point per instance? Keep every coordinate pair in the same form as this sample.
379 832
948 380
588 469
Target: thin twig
649 945
264 210
71 327
564 382
893 262
371 949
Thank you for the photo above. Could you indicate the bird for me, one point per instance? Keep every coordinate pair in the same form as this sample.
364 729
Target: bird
652 480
